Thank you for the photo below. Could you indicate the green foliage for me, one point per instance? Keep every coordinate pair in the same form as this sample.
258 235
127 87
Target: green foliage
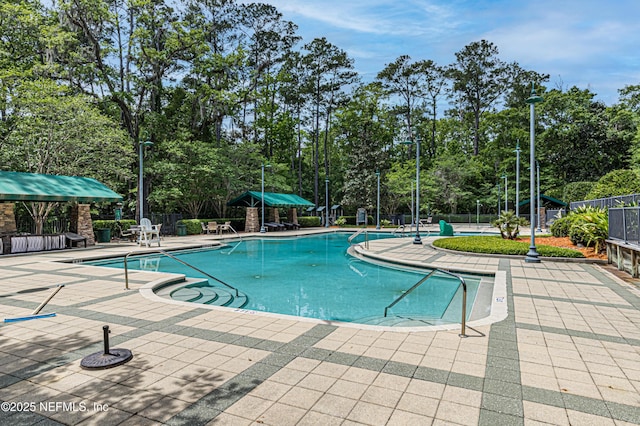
308 221
561 226
509 224
617 182
576 191
351 220
586 225
341 221
590 227
116 227
498 245
194 226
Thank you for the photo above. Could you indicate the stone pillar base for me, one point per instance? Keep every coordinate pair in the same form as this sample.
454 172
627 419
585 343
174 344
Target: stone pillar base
252 222
81 222
8 218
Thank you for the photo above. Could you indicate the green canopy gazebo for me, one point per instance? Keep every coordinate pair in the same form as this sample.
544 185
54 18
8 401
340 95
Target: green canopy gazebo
273 200
35 187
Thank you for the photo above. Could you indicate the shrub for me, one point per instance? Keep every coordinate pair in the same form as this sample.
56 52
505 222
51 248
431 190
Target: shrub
115 226
561 226
308 221
498 245
341 221
509 224
589 227
193 225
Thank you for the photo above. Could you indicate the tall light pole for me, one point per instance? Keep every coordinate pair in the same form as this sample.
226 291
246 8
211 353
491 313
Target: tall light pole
478 213
532 255
417 239
141 145
412 207
538 205
262 228
326 200
506 193
518 179
378 202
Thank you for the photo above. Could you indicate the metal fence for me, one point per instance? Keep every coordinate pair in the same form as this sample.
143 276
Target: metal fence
608 202
624 224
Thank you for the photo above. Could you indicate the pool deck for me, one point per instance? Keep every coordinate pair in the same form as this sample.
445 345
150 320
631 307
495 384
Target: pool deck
568 352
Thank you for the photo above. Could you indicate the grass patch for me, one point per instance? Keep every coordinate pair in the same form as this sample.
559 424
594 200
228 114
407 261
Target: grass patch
497 245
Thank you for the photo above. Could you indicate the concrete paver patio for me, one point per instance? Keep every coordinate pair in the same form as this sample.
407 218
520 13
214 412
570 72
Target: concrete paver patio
568 352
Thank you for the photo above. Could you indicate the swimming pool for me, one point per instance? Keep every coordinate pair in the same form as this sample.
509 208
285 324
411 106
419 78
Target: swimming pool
312 276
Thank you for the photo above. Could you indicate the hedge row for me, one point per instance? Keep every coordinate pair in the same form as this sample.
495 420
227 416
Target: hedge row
497 245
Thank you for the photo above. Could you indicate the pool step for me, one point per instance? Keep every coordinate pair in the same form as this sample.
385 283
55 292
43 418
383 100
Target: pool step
398 321
207 295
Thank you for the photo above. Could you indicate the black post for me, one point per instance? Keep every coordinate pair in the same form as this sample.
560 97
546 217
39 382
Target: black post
106 332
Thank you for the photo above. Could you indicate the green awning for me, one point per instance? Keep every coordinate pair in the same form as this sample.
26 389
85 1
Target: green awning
271 199
546 199
16 186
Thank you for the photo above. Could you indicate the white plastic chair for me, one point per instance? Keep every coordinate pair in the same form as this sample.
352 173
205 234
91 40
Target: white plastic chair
149 233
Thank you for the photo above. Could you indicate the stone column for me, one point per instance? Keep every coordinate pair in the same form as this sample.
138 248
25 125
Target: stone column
252 221
8 218
293 215
81 222
274 215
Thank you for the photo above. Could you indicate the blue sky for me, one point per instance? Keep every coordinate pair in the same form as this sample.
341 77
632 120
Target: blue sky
585 43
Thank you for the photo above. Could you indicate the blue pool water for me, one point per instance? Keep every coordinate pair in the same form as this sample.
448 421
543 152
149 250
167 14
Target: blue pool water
313 276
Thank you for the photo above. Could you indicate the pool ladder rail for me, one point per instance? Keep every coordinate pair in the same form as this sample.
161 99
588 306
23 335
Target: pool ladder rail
126 269
366 237
424 279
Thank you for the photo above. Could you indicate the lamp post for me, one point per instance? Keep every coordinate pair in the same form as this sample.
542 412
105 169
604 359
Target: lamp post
478 213
532 255
326 200
518 179
417 239
262 228
538 205
378 202
506 194
412 207
141 145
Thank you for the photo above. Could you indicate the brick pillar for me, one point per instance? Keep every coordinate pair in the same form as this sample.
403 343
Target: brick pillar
274 215
293 215
252 221
81 222
8 218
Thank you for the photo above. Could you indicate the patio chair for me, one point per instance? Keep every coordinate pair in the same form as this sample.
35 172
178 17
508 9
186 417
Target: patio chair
426 222
149 233
291 225
225 227
72 237
205 228
213 228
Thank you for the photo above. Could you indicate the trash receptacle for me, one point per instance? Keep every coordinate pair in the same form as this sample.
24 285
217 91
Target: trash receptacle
103 235
181 229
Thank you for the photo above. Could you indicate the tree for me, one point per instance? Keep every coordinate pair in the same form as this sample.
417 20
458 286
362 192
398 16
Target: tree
56 132
479 80
617 182
361 128
329 71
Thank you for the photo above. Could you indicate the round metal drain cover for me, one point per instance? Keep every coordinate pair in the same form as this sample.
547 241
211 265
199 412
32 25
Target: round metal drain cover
101 361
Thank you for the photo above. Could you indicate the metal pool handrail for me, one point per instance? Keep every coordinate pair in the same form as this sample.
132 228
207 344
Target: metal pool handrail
126 269
425 278
366 237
